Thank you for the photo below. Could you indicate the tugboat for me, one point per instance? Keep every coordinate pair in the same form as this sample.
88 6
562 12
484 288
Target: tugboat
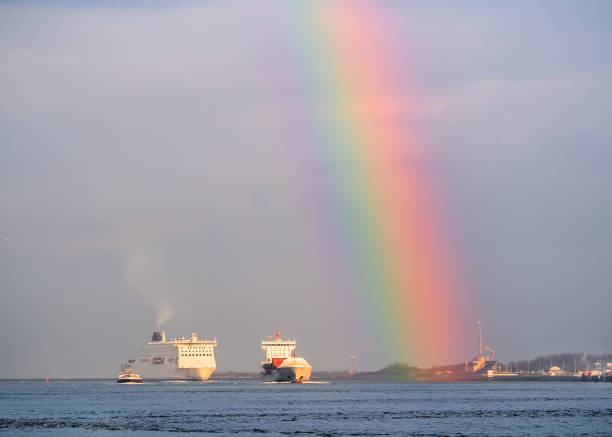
281 364
127 375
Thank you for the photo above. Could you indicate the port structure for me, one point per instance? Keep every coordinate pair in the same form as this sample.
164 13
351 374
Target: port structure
481 362
352 371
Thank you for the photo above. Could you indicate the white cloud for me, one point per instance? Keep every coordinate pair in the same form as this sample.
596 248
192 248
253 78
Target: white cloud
519 113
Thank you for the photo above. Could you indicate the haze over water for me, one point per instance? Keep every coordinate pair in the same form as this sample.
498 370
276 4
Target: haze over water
156 170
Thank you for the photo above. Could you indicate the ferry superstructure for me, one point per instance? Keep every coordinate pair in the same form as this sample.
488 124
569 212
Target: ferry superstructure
277 351
178 358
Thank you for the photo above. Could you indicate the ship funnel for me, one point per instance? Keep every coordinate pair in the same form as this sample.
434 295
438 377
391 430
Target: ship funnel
278 336
157 336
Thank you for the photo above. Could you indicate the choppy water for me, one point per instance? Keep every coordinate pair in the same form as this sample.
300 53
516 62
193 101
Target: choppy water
336 408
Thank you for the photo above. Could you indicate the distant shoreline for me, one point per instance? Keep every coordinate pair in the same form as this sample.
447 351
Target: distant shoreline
352 378
397 372
344 376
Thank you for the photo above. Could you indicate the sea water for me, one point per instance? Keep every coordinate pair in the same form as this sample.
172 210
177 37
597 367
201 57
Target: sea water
103 407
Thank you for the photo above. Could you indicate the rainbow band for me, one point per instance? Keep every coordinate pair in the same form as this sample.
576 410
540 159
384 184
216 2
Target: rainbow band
378 203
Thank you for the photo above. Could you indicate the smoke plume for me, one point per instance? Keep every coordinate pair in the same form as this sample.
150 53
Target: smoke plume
144 271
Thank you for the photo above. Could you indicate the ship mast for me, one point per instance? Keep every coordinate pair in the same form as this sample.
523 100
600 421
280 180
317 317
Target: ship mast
482 346
479 339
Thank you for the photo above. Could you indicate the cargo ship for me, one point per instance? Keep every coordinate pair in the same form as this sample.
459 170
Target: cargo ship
178 358
281 364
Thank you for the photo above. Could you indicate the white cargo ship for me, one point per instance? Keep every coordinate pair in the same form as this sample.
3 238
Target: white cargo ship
281 364
178 358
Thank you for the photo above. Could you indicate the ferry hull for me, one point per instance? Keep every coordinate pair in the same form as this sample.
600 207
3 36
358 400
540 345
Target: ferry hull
201 373
197 373
293 374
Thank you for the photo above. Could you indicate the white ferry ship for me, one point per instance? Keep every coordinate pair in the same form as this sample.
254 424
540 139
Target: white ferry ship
281 364
178 358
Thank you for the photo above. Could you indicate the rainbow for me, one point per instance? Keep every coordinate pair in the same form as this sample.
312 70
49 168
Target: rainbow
378 211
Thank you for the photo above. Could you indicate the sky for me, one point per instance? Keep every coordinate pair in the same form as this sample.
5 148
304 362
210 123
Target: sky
150 176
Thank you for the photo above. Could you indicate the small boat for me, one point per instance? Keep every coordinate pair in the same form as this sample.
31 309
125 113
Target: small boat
127 375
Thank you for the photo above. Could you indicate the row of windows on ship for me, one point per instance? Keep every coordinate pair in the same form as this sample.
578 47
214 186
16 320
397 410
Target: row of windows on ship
175 359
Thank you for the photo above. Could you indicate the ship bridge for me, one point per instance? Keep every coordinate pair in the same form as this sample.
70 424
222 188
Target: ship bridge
277 349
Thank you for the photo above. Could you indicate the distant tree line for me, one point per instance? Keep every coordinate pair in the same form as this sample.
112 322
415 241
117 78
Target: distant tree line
567 361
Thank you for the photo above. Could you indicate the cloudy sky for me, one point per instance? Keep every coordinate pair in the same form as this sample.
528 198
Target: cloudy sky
148 176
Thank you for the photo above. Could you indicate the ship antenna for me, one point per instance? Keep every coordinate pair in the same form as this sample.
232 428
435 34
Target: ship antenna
479 339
